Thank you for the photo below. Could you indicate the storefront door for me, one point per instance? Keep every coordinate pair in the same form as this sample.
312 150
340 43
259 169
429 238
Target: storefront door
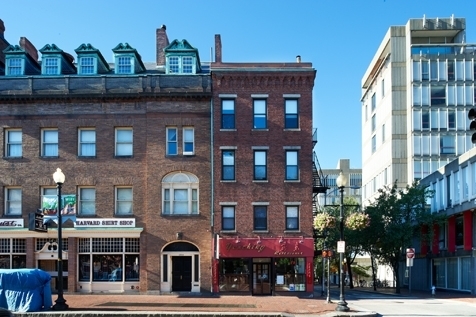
261 279
51 267
181 273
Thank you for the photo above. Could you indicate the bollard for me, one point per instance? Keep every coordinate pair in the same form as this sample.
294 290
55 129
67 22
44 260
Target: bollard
433 289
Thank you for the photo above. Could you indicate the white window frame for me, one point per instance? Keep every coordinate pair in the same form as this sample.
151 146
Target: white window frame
291 112
260 114
257 159
87 65
228 210
14 70
228 112
291 155
13 146
9 211
188 137
86 143
85 203
179 182
171 141
128 145
124 64
291 209
45 143
121 203
228 162
48 192
184 65
51 65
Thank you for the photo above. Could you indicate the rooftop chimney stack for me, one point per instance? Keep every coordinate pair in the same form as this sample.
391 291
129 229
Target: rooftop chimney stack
217 48
298 59
29 48
162 41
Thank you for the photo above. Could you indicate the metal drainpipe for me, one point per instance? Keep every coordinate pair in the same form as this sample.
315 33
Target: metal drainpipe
212 197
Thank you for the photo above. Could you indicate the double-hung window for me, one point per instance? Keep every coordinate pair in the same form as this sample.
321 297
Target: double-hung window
124 144
228 165
124 65
292 167
13 143
51 66
228 114
172 141
292 218
87 201
13 200
228 217
49 196
291 120
260 218
123 200
180 194
87 142
180 65
86 65
174 65
188 141
14 66
187 65
259 114
49 142
260 167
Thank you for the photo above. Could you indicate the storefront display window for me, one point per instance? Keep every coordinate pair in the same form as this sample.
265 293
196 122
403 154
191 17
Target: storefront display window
9 257
290 275
234 275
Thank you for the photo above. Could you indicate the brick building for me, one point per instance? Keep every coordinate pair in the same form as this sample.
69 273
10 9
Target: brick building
133 140
262 176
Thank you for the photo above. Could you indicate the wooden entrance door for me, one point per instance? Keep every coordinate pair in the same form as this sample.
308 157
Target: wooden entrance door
181 273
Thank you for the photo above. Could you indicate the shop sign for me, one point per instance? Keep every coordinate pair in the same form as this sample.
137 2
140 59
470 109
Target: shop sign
105 222
11 223
279 247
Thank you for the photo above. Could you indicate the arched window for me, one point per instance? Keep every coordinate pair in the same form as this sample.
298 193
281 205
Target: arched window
180 194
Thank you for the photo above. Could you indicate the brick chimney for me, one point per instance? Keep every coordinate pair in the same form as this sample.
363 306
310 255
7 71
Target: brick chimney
217 48
162 42
3 43
2 29
29 48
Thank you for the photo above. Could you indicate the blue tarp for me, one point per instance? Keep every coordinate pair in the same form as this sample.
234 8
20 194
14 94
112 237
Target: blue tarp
25 290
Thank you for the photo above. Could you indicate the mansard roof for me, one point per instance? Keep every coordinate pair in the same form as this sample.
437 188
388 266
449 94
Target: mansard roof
67 60
126 48
88 50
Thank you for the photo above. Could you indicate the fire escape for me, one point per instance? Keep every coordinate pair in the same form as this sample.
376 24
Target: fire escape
319 180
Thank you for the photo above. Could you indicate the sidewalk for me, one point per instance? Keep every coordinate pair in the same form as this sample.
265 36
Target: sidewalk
85 305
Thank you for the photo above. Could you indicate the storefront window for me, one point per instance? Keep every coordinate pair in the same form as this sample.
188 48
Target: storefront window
234 275
290 274
9 257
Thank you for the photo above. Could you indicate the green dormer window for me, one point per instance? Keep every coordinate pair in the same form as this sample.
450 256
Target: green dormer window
86 65
124 65
50 66
181 58
14 66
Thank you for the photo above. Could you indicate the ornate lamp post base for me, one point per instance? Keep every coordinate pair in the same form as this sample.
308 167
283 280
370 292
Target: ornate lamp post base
342 306
60 304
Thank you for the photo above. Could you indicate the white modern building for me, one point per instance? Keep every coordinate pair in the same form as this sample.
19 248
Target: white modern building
416 94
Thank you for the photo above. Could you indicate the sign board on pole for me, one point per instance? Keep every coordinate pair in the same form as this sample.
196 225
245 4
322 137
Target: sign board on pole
340 246
36 223
411 253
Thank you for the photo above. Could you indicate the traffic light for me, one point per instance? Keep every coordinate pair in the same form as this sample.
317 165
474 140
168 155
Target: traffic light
472 126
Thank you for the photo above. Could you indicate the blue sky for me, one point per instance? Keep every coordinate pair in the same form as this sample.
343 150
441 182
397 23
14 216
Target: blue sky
338 37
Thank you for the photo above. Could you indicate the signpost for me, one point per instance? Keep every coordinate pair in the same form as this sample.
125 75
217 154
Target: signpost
410 256
35 222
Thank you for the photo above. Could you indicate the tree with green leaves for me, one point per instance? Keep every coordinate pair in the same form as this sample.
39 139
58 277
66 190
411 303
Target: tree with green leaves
396 217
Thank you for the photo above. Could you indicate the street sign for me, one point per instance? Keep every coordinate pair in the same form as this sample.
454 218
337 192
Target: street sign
410 253
36 222
340 246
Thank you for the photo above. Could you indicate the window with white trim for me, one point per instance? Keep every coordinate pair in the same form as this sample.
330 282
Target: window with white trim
87 142
48 194
260 165
49 142
188 141
292 218
259 114
171 134
12 253
228 113
13 143
51 66
123 200
87 65
181 65
124 142
228 218
87 201
291 117
180 194
292 167
14 66
13 201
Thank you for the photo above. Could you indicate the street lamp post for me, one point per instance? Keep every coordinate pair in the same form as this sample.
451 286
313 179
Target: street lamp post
59 177
342 304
